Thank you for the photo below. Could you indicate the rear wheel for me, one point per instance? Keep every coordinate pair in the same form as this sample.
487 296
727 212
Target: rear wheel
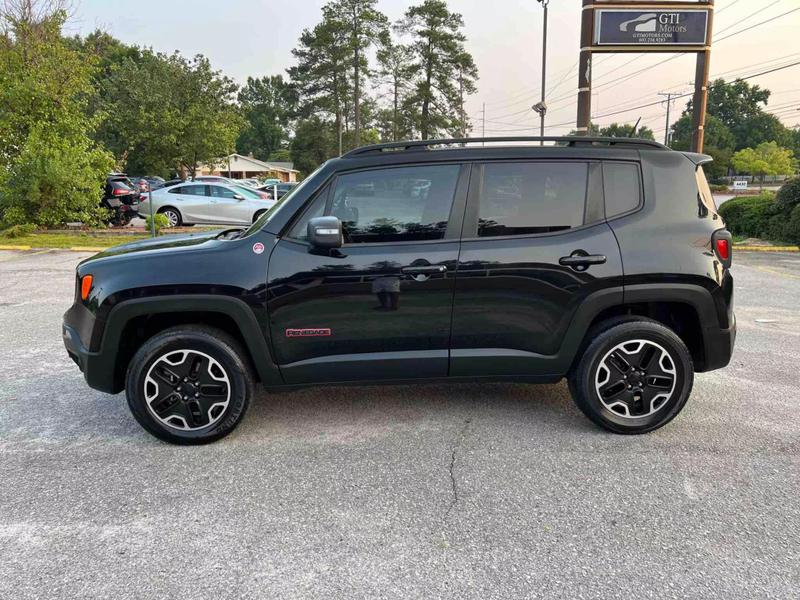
173 216
633 377
189 385
257 216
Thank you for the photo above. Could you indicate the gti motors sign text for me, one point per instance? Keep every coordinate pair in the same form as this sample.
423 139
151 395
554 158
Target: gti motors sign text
659 27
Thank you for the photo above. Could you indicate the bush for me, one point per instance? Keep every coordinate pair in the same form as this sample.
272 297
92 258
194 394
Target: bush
18 231
789 195
750 216
718 187
791 229
161 222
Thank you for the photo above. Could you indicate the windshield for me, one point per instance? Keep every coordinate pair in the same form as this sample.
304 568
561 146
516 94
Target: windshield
246 191
264 219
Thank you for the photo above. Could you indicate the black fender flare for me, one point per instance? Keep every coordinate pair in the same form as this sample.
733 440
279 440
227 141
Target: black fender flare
236 309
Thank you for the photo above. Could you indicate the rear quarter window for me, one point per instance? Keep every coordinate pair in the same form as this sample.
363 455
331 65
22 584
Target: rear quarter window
622 185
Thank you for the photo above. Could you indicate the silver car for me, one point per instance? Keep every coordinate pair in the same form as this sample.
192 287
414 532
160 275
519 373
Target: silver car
193 203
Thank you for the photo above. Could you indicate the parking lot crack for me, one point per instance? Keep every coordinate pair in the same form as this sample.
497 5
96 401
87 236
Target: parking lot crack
451 470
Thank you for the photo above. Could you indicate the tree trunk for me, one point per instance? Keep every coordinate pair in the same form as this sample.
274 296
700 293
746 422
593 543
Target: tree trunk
394 117
356 82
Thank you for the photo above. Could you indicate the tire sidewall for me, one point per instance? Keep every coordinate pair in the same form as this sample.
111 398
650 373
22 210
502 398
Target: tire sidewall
224 354
588 399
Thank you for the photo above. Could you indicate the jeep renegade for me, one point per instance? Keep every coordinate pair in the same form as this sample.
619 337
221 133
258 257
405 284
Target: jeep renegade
602 260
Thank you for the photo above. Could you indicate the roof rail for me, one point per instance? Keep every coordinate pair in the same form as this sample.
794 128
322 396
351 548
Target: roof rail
567 140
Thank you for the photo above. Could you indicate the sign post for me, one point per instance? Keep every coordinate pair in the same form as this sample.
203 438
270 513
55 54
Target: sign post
623 26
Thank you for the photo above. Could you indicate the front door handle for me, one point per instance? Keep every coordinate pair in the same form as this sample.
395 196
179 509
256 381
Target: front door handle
426 270
580 260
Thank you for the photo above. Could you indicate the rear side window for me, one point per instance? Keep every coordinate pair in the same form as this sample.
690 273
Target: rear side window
532 197
395 205
623 188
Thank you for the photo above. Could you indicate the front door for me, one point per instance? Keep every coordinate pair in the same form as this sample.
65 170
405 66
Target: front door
379 307
536 245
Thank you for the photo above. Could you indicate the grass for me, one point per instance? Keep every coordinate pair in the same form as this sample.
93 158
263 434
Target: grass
70 240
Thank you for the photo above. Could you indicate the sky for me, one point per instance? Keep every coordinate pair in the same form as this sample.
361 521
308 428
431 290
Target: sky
255 38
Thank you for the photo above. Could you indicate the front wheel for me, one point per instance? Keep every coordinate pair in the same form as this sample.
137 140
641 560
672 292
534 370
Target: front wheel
189 385
634 377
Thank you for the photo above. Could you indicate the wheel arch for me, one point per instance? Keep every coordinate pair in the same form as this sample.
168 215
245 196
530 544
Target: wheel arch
133 322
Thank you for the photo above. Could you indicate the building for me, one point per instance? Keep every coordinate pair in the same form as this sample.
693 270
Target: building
237 166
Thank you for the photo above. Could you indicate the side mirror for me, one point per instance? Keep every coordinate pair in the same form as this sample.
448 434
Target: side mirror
238 197
325 232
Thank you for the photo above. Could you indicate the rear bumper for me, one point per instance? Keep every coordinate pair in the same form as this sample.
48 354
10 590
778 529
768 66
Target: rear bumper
718 346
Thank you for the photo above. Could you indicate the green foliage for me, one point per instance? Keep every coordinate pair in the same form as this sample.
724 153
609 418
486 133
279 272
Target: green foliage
749 216
267 105
314 142
719 143
161 222
396 70
792 229
51 171
18 231
718 187
444 72
788 196
623 130
166 113
766 159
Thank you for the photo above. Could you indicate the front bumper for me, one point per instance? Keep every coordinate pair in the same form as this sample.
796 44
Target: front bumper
97 371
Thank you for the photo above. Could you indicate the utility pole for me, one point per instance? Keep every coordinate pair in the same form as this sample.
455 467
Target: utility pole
541 107
701 74
669 96
483 133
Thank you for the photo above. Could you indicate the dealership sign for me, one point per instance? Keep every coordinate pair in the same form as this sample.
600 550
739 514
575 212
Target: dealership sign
656 27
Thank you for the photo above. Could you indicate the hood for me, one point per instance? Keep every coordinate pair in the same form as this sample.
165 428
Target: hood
167 243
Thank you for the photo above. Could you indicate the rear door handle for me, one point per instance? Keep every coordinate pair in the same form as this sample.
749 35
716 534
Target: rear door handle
580 261
426 270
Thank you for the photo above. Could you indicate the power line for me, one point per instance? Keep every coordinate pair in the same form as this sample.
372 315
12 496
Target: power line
788 12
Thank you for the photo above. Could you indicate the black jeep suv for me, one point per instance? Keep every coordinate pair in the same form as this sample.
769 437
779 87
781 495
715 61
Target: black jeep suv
602 260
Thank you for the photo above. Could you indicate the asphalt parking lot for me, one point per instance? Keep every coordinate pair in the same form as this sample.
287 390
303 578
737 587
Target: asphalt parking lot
465 491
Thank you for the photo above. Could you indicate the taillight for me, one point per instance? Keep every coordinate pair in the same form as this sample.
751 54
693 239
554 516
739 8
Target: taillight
722 243
120 192
86 286
724 249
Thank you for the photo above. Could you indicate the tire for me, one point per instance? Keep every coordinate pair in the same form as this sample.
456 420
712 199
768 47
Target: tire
204 406
173 216
633 377
258 214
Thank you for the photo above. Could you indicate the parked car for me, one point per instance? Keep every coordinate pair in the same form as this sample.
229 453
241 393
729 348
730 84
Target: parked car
283 189
253 183
213 179
193 203
249 192
172 182
121 198
603 261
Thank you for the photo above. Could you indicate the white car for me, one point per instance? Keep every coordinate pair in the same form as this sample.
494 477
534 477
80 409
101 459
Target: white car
193 202
213 179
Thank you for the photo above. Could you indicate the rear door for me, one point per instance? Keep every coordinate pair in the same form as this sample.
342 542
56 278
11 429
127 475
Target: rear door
535 247
192 202
380 307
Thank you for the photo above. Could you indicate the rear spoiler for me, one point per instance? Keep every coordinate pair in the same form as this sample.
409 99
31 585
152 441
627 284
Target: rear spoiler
698 159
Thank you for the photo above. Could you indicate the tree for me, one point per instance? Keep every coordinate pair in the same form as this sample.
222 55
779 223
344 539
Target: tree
170 113
363 26
267 104
739 107
616 130
445 72
766 159
314 142
396 70
321 73
51 171
719 143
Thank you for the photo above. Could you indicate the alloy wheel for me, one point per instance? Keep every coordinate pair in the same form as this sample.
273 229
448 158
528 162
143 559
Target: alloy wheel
636 379
187 390
172 217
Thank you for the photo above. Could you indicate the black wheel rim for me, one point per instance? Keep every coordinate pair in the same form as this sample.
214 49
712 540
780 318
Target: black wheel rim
636 379
187 390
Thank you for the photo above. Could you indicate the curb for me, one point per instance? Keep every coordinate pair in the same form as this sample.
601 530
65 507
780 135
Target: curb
767 248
